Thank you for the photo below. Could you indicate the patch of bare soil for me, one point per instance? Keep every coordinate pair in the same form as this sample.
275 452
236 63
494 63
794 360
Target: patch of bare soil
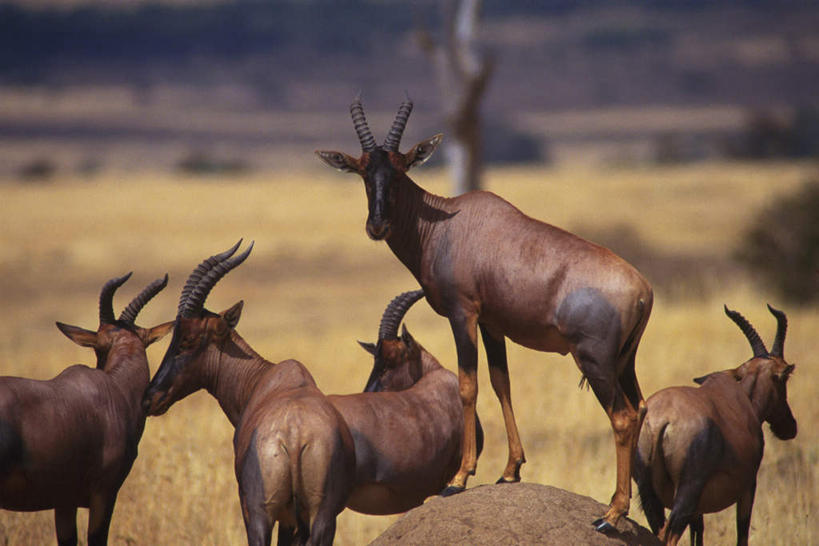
522 513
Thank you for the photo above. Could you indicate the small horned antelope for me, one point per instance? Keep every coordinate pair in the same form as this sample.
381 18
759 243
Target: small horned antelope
485 265
700 448
70 441
406 424
294 455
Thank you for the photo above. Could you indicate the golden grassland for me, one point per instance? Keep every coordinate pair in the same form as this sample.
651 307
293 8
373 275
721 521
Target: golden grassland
315 284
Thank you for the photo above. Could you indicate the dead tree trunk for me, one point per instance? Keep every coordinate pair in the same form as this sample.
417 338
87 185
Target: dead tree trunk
462 73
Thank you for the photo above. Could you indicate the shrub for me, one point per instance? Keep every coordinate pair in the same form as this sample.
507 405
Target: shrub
37 170
781 246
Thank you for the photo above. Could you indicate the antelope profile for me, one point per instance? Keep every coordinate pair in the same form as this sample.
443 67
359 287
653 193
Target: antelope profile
294 455
486 266
700 448
407 425
70 441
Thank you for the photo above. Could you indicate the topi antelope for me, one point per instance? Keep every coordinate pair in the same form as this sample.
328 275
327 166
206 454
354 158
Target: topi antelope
294 455
700 448
70 441
485 265
407 425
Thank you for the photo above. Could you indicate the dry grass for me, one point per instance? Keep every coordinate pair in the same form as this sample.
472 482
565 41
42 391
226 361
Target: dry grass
315 284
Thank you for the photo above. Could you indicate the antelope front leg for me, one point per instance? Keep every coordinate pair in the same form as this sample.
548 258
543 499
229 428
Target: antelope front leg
99 518
625 421
65 520
499 376
465 332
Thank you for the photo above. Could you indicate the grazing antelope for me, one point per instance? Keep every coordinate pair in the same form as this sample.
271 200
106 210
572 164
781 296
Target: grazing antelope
485 265
407 425
294 456
700 448
70 441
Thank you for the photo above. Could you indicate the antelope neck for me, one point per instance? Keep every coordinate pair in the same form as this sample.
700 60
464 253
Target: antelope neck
233 370
416 218
127 366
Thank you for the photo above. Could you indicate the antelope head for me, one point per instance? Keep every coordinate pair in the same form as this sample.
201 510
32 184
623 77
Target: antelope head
765 376
382 167
397 360
111 329
195 330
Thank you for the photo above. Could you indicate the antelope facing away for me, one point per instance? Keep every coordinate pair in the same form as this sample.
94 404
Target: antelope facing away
294 456
700 448
407 425
485 265
70 441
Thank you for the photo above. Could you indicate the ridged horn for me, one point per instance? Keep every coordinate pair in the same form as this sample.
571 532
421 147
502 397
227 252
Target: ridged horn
397 130
778 348
757 345
201 269
365 136
130 313
199 293
395 312
107 298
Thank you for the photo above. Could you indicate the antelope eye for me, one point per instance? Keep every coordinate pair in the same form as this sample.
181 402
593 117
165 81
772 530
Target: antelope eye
337 157
421 149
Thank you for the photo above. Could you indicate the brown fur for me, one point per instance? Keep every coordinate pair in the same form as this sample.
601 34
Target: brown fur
484 264
408 435
70 441
294 455
700 448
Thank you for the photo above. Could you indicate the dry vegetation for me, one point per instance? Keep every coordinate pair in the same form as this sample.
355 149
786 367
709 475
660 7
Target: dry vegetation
315 284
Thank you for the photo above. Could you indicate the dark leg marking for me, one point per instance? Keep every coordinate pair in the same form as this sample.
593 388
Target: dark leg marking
696 527
701 460
258 526
65 520
651 503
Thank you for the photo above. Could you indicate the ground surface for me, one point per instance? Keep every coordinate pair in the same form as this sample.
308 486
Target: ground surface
523 513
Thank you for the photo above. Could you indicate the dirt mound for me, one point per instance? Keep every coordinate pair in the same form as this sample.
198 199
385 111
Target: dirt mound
522 513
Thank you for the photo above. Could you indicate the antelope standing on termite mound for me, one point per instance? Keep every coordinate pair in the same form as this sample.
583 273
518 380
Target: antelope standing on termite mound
294 456
485 265
70 441
700 448
408 423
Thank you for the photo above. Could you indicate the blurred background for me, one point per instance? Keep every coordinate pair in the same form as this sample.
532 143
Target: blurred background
93 84
148 135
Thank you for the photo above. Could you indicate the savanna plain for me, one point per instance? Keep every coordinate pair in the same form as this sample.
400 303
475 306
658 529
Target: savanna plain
315 284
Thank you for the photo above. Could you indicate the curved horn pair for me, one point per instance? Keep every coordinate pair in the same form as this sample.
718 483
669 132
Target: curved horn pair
205 276
757 346
132 310
395 312
365 136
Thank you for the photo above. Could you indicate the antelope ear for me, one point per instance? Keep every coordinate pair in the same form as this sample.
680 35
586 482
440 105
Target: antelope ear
423 150
80 336
701 380
233 314
158 332
369 347
339 160
786 373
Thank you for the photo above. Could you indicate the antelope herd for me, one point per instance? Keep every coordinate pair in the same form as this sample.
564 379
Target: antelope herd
302 456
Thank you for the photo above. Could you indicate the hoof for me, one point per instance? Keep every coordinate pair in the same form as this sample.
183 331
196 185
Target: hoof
603 526
504 480
450 490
